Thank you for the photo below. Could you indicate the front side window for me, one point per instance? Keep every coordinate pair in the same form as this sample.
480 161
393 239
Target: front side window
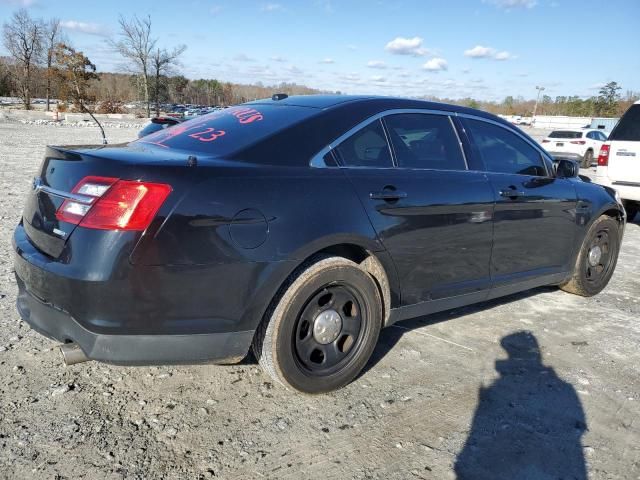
503 151
366 148
424 141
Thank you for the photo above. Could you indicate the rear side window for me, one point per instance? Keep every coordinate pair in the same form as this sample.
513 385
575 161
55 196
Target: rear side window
628 128
424 141
565 134
366 148
225 131
503 151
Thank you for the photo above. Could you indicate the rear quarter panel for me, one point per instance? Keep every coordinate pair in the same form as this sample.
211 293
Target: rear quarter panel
268 218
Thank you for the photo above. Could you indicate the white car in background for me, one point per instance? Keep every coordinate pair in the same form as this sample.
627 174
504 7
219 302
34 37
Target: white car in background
581 144
619 161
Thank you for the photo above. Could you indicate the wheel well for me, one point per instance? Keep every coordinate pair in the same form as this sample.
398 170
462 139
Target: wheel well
369 262
613 213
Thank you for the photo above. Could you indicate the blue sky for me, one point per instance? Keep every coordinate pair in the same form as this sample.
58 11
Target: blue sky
450 48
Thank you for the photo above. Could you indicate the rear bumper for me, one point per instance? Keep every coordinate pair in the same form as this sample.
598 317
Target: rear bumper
141 315
131 349
627 190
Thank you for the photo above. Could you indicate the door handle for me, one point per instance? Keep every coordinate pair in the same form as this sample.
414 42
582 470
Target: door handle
387 195
511 193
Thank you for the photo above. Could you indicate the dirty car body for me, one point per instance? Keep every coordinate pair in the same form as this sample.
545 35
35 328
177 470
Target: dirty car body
230 205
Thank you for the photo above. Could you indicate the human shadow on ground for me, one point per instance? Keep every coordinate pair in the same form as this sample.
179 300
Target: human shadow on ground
528 423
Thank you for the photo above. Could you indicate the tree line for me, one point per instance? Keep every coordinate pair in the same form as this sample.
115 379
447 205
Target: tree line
42 60
609 102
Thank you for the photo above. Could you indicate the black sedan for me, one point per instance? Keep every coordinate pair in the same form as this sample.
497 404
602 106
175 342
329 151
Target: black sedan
299 227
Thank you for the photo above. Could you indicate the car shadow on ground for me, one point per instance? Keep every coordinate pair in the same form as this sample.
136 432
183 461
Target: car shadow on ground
528 423
389 337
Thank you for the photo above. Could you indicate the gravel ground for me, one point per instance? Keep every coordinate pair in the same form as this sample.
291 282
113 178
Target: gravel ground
462 393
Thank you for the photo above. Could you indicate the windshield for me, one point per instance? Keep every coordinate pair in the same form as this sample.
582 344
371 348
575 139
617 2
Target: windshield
227 131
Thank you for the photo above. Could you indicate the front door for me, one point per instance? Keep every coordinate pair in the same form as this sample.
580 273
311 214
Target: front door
534 219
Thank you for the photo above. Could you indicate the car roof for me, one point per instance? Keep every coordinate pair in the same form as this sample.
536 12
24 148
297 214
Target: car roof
326 102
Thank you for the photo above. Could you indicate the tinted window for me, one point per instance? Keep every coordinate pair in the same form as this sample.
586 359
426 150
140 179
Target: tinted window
591 135
503 151
366 148
565 134
602 136
226 131
424 141
628 128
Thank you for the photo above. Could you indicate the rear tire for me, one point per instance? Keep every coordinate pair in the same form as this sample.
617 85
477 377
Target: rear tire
597 258
632 210
587 160
319 334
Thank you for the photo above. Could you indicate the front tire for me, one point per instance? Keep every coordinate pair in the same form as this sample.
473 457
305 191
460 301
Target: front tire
320 333
597 258
587 160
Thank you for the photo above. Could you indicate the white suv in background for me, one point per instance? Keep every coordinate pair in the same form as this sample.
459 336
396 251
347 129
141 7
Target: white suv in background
580 144
619 160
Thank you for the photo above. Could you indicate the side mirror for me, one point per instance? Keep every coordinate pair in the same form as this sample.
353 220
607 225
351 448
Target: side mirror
566 168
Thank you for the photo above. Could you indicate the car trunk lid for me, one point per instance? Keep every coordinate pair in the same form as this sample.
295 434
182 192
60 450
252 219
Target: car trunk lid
64 168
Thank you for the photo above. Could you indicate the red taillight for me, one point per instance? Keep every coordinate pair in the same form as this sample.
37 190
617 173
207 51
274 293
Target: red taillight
89 190
603 157
578 142
113 204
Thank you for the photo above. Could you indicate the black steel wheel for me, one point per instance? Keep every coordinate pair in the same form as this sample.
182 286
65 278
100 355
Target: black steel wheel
322 330
329 330
597 258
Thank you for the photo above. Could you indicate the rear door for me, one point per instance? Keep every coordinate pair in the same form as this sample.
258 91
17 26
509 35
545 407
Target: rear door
429 210
624 154
534 219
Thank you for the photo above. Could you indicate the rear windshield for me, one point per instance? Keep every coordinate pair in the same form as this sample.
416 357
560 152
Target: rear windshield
227 131
628 128
565 134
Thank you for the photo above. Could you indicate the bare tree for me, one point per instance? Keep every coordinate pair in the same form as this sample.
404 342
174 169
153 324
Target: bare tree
161 62
22 37
74 72
52 37
136 45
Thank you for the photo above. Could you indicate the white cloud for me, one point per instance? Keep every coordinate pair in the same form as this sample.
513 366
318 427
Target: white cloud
327 60
378 78
436 64
510 4
487 52
479 52
352 47
407 46
278 58
272 7
85 27
242 57
376 64
503 56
